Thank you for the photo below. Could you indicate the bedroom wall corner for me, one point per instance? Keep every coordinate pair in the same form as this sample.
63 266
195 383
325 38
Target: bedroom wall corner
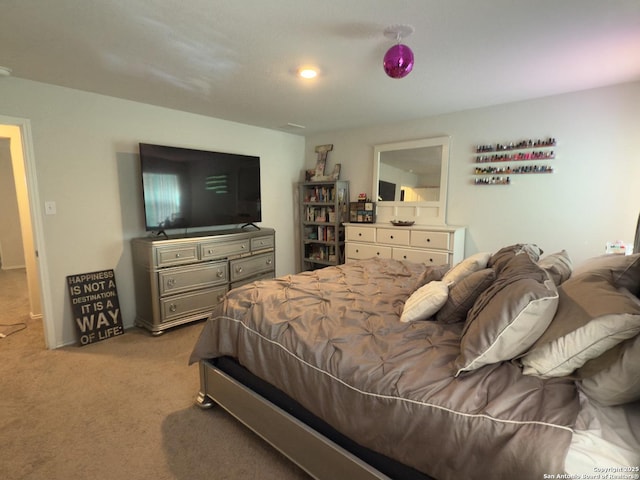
85 148
591 197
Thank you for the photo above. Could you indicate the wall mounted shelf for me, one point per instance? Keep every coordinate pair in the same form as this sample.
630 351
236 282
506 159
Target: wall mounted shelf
514 171
520 145
493 181
530 152
516 157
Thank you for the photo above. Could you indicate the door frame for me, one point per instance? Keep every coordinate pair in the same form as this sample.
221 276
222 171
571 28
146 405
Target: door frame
35 214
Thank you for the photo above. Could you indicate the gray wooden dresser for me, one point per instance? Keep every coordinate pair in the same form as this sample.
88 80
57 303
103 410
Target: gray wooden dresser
181 279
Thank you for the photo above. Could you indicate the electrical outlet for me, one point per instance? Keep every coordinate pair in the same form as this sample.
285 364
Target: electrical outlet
618 247
50 208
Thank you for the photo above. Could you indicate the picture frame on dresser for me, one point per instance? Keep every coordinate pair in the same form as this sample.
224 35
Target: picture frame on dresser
362 212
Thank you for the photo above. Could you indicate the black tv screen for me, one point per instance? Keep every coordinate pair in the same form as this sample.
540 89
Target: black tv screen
187 188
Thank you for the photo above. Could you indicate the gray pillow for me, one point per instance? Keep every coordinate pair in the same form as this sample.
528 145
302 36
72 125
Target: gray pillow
502 257
462 295
624 270
557 265
593 316
432 273
509 316
614 377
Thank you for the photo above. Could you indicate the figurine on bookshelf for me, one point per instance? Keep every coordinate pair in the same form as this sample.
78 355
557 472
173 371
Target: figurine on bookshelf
317 174
335 175
323 153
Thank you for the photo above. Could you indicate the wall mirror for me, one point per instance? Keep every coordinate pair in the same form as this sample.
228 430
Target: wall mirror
410 180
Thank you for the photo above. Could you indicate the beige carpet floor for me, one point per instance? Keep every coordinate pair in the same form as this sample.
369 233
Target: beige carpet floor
118 409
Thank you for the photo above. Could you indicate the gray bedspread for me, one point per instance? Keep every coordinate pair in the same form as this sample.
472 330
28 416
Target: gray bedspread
332 340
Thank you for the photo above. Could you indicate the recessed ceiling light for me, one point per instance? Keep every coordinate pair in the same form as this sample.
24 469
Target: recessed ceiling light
5 72
308 72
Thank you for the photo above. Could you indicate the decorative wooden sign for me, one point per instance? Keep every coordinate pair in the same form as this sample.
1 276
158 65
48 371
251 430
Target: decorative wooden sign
95 305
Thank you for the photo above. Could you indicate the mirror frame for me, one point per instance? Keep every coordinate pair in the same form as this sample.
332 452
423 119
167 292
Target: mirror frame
421 212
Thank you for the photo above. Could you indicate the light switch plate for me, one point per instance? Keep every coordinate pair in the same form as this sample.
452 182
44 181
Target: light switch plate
50 208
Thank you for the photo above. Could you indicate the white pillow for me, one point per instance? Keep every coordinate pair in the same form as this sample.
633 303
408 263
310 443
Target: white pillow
593 316
562 356
466 267
425 302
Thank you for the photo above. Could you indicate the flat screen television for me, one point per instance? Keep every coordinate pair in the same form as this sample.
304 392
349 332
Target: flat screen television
187 188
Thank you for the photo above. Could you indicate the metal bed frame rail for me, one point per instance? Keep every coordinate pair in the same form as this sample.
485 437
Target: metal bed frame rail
317 455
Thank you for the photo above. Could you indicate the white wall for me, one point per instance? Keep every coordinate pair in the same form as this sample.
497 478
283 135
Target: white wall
85 148
592 197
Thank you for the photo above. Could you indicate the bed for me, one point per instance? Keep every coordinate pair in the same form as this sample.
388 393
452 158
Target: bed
509 365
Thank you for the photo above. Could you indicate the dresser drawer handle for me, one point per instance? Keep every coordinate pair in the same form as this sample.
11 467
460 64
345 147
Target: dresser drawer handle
269 261
210 251
171 282
428 240
360 234
238 269
220 297
173 307
177 255
220 274
391 237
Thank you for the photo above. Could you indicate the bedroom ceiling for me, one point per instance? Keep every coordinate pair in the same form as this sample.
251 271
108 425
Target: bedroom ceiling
236 59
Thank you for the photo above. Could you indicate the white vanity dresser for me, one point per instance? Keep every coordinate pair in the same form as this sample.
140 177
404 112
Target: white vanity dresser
409 185
433 245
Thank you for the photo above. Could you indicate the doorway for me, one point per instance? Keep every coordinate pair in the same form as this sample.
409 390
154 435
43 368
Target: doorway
18 131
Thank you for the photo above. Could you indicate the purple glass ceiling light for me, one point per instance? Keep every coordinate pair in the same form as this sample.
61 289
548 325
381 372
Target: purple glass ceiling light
398 61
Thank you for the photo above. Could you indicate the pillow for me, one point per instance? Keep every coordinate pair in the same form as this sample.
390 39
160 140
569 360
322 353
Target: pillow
593 316
558 266
509 316
625 270
432 273
617 379
425 302
463 294
501 258
466 267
